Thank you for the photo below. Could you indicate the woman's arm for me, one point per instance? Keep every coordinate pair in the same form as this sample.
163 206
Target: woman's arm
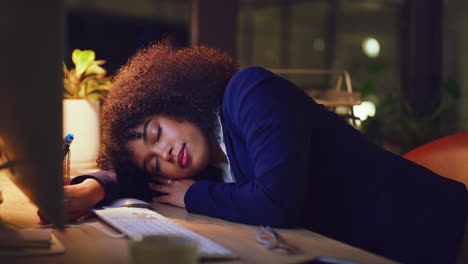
100 188
119 185
273 119
106 179
80 199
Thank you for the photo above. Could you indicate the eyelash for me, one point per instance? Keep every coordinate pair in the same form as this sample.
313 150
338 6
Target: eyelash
156 168
159 134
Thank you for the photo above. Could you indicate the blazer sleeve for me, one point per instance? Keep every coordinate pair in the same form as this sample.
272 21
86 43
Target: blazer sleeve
118 186
269 115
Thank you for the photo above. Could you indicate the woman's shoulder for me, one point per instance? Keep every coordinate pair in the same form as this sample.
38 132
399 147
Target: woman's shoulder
250 74
259 81
244 81
253 70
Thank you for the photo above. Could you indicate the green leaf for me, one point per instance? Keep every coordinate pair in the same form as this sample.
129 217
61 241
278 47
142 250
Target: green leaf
71 74
75 55
452 87
94 68
100 62
83 90
441 109
94 97
105 84
88 79
91 86
68 86
377 67
366 88
65 69
82 60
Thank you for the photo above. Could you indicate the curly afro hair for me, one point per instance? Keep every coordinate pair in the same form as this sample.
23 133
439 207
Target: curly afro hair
184 83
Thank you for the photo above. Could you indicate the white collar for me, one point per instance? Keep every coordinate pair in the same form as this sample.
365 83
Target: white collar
227 172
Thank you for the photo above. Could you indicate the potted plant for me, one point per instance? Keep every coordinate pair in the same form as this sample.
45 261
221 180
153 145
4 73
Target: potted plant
396 126
85 85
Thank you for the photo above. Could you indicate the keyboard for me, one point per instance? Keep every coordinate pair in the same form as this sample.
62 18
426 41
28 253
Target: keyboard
136 222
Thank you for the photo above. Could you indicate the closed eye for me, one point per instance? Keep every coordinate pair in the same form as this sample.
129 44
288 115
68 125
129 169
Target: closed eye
159 133
145 127
155 168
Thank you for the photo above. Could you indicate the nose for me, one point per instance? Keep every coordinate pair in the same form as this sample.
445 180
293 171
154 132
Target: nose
163 151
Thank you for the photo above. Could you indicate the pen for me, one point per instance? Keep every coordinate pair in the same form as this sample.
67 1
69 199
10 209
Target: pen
268 237
67 140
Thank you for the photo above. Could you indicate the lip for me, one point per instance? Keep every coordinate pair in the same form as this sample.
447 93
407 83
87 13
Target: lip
182 157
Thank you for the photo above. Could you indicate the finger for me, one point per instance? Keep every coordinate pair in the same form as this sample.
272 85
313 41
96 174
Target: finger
162 199
75 215
42 217
160 187
68 190
71 216
163 180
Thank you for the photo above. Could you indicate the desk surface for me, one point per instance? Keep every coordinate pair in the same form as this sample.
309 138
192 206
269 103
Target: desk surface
88 245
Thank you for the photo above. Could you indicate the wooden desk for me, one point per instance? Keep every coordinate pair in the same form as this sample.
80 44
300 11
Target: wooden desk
88 245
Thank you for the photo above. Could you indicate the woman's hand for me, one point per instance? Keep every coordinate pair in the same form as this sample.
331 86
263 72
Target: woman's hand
174 190
80 199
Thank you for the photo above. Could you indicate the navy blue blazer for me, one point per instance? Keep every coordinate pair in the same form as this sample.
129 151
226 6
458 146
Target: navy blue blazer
296 164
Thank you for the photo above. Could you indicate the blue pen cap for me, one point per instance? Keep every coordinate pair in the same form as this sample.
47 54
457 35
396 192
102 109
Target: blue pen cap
68 138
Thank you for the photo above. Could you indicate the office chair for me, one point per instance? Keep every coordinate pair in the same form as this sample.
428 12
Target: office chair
447 156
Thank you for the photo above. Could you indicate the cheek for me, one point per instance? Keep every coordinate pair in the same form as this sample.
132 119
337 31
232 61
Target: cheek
199 163
204 153
136 161
135 154
204 159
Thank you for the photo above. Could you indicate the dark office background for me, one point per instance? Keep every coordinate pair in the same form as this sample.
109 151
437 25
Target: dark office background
115 38
420 64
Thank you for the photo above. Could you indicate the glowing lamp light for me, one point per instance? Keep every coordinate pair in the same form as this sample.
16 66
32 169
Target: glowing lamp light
364 110
371 47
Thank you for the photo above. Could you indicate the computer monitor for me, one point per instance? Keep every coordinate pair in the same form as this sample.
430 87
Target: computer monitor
31 49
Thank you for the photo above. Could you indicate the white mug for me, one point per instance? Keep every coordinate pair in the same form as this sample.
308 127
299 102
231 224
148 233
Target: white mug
163 249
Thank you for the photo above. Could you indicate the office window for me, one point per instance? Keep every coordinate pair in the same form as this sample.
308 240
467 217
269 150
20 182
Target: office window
321 34
455 61
283 34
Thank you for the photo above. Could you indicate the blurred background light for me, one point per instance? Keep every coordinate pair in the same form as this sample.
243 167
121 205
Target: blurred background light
371 47
319 44
364 110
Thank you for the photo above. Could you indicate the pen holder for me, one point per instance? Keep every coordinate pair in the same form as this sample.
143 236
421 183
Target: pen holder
66 168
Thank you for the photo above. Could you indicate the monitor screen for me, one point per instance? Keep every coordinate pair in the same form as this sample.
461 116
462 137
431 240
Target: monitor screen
31 49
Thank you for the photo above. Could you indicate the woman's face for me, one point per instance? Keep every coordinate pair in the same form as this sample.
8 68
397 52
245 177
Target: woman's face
169 148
